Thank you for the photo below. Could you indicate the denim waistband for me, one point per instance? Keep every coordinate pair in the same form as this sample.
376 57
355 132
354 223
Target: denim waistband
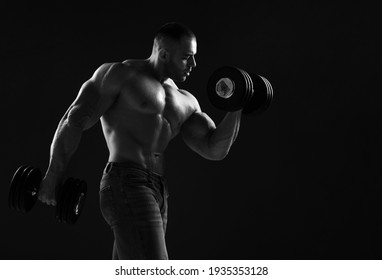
115 170
132 165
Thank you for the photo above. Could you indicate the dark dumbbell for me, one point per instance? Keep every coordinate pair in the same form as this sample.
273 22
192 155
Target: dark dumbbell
231 89
24 188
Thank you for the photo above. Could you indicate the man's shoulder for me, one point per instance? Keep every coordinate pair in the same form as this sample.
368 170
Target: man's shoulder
116 71
119 67
136 66
193 101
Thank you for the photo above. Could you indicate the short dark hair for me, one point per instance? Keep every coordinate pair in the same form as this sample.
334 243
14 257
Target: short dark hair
175 31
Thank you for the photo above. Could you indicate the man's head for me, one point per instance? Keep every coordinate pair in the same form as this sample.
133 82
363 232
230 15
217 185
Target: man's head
175 48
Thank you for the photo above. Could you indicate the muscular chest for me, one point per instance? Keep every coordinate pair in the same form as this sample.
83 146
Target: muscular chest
177 107
144 96
159 101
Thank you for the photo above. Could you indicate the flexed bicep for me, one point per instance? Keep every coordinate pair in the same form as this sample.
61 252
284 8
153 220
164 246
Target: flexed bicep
196 133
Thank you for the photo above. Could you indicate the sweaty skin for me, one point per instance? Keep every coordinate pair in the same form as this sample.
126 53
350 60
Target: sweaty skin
141 109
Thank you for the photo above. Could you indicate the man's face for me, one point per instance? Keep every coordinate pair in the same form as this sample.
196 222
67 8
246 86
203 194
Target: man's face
182 59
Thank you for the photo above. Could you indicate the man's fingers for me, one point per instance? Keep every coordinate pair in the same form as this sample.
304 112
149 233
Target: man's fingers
49 201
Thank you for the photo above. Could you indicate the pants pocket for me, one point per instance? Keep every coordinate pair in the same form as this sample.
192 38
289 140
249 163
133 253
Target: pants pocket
107 205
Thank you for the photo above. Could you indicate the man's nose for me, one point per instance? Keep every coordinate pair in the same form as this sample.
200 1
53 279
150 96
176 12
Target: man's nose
192 62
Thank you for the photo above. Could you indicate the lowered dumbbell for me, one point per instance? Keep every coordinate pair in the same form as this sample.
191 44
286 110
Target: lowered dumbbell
230 88
24 188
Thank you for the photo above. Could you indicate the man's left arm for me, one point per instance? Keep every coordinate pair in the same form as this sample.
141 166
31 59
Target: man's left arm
210 141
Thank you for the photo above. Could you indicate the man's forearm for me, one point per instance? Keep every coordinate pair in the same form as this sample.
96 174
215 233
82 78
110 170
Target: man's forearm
65 143
222 138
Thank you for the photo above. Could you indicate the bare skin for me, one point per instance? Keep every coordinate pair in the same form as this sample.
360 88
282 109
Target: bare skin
141 109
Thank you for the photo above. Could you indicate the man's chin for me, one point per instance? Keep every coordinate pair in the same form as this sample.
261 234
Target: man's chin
180 79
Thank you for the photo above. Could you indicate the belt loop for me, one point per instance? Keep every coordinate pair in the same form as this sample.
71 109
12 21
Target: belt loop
108 167
164 185
150 177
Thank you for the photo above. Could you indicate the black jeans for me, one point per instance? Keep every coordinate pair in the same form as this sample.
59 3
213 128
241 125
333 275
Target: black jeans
133 201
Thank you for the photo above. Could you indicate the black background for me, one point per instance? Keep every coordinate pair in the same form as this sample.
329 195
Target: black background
302 181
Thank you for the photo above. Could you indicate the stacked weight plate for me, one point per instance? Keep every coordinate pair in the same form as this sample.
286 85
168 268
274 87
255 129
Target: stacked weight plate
241 89
249 92
24 188
261 97
71 200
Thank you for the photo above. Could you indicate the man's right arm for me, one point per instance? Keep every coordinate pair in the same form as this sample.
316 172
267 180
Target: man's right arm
94 98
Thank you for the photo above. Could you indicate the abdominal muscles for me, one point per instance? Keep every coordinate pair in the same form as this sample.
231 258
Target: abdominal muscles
135 135
142 122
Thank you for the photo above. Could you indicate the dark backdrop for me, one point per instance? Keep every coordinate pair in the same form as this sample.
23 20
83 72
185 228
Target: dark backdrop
302 181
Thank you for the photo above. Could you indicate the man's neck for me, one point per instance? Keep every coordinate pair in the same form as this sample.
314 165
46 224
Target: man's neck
156 69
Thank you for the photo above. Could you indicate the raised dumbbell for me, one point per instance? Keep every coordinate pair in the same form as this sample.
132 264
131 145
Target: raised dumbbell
230 88
24 188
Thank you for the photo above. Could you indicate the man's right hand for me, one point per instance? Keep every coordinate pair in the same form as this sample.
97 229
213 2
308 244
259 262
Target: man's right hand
47 192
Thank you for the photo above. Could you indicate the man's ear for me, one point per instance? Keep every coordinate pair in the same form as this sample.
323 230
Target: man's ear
163 55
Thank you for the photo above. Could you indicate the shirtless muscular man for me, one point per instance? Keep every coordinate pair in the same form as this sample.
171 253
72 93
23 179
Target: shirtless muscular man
141 110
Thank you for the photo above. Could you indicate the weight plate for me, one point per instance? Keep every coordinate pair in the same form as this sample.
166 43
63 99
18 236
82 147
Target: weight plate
78 201
61 199
249 93
30 189
262 95
69 213
70 201
20 194
270 91
66 208
16 179
269 97
235 93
